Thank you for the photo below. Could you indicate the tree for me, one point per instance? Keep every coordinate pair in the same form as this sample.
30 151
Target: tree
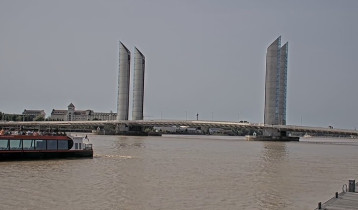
16 117
39 118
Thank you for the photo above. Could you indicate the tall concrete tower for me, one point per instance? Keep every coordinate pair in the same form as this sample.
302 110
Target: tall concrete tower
276 83
138 85
123 82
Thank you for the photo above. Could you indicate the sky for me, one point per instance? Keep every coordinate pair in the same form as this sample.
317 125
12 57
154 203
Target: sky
202 56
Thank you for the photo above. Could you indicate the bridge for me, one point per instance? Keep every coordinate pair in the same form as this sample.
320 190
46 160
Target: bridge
196 123
274 112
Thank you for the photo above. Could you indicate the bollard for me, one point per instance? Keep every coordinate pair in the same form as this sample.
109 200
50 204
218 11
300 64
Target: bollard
352 186
319 205
336 194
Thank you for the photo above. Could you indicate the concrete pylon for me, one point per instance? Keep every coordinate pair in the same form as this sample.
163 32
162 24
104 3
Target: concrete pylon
123 82
138 85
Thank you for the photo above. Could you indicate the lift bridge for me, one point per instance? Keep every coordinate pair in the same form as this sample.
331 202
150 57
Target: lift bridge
167 123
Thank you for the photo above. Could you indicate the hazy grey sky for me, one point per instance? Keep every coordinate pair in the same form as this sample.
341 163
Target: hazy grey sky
201 56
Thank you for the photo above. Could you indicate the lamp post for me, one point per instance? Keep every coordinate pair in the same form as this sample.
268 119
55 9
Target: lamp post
301 120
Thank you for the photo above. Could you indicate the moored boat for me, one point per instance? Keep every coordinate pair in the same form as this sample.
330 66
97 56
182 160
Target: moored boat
31 147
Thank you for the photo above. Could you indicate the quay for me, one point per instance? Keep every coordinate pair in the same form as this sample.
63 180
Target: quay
344 200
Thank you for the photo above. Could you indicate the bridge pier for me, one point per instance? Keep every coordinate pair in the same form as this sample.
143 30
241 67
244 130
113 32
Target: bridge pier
121 128
271 134
131 130
205 129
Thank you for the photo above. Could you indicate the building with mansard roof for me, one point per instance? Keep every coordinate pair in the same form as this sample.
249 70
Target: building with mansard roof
34 113
71 114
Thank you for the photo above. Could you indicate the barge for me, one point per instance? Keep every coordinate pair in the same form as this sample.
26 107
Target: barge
32 147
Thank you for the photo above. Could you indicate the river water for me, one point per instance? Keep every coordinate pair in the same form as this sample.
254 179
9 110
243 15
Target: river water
184 172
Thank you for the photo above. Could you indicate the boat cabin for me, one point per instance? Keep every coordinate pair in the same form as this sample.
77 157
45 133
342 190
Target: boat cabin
41 143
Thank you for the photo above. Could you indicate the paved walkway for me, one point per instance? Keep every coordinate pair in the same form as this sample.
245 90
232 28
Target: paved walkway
345 200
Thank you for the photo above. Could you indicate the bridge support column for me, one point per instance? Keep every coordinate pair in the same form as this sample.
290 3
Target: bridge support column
275 132
121 128
271 134
205 129
137 128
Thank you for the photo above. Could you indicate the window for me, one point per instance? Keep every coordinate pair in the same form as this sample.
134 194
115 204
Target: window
51 144
28 144
15 144
4 144
88 146
63 145
40 144
76 145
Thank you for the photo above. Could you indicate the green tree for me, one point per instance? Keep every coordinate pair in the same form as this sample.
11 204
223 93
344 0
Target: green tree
17 118
39 118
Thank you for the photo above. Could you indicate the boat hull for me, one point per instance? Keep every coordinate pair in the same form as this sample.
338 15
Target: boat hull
272 138
38 155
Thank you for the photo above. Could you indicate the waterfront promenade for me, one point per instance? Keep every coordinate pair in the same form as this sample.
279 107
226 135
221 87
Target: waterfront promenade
343 200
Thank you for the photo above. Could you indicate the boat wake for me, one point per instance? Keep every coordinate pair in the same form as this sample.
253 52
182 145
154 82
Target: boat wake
113 156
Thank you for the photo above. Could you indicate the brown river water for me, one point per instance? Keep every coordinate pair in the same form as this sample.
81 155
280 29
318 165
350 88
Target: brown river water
184 172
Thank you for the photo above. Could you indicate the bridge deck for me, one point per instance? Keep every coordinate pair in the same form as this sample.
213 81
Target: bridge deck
198 123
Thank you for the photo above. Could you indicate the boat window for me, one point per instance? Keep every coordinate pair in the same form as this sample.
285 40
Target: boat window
63 145
40 144
28 144
15 144
4 144
51 144
88 146
76 145
79 146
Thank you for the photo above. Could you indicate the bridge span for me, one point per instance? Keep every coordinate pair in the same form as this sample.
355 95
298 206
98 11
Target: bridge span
196 123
